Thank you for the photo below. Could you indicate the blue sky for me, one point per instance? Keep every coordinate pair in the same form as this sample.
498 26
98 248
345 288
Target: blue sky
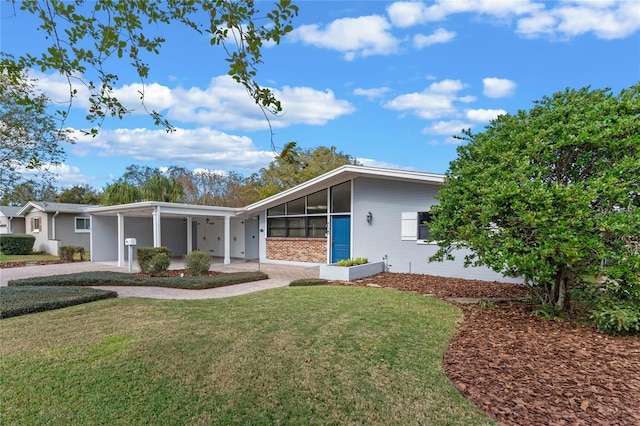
388 83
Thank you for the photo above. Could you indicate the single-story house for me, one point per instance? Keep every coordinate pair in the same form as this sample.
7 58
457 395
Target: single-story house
11 222
352 211
57 224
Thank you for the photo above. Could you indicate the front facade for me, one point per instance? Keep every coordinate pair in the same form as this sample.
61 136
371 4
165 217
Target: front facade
56 224
11 222
352 211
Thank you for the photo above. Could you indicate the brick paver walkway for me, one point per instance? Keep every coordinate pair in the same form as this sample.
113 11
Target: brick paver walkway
279 276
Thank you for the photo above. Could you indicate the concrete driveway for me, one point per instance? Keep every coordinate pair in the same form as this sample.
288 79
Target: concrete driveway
279 276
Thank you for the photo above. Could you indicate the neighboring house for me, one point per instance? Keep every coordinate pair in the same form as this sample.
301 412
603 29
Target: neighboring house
11 222
57 224
352 211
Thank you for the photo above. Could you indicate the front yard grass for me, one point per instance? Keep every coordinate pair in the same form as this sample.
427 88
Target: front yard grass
294 355
35 257
15 301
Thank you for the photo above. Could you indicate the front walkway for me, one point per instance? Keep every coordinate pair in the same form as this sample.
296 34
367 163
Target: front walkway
279 276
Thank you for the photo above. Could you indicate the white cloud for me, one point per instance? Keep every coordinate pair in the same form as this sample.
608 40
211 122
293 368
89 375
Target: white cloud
498 87
362 36
438 36
188 147
436 101
377 92
65 175
223 103
448 128
483 115
406 14
377 163
606 19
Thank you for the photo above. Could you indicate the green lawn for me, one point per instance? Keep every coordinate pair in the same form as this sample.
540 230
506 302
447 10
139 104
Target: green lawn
40 257
36 257
295 355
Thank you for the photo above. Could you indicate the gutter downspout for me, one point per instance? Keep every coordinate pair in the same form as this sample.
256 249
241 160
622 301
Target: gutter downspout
53 225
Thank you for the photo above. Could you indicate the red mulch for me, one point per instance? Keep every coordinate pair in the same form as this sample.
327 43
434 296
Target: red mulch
522 369
24 263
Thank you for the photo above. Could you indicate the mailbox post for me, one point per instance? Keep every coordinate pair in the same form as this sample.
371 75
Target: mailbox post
130 242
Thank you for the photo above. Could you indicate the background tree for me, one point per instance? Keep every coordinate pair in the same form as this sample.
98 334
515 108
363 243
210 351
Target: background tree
29 190
551 194
162 188
298 166
120 193
84 37
29 137
230 189
137 175
79 194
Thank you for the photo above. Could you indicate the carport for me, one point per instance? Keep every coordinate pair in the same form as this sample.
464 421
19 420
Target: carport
155 224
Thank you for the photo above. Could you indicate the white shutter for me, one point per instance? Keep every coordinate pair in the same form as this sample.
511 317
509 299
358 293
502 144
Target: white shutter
409 225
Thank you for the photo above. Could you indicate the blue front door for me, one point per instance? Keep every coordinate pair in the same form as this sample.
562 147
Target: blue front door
340 238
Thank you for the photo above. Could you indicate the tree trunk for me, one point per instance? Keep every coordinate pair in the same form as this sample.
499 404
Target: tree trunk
560 292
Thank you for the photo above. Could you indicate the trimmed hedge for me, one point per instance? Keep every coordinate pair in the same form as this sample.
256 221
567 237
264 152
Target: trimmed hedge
146 255
15 301
11 244
308 281
107 278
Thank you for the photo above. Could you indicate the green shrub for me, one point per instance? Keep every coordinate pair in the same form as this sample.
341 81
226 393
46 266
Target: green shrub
67 253
145 254
307 281
11 244
353 262
617 319
197 263
15 301
158 264
109 278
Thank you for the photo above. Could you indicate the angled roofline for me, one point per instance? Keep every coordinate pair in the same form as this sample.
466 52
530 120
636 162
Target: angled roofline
342 174
52 207
166 208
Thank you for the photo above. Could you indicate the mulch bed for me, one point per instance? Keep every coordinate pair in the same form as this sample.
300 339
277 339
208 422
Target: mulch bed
24 263
523 369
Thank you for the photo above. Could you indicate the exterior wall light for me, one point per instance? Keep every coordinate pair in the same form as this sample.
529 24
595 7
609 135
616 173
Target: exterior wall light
369 218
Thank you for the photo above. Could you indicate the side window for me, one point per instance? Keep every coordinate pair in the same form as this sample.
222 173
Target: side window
424 218
415 226
83 224
36 224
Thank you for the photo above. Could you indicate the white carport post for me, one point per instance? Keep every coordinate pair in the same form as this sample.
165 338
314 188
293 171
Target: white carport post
157 240
189 234
120 239
227 240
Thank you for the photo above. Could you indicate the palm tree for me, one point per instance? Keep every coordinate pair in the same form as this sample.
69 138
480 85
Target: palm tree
162 188
120 193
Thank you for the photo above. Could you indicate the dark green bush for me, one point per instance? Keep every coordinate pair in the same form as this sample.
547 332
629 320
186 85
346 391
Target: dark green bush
145 254
15 301
307 281
11 244
100 278
158 264
197 263
617 319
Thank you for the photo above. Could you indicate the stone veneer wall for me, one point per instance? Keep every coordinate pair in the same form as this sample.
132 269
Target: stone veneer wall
312 250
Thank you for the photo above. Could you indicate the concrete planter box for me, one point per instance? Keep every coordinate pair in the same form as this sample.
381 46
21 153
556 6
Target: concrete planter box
349 273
